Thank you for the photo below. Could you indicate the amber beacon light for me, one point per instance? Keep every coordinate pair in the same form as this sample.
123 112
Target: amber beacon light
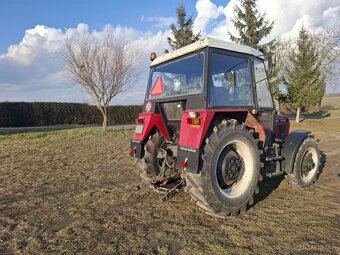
153 56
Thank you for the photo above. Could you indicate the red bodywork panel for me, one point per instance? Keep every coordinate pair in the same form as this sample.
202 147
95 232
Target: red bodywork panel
149 121
192 135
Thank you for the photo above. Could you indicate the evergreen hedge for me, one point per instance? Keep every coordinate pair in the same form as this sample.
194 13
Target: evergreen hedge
22 114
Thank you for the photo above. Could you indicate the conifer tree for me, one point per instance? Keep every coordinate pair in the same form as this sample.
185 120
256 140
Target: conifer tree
183 34
306 84
251 25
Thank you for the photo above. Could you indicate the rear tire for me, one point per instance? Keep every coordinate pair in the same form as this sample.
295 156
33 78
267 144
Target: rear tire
151 167
306 165
230 171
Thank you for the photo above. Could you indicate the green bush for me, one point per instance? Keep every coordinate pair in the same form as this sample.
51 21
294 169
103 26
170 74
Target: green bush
22 114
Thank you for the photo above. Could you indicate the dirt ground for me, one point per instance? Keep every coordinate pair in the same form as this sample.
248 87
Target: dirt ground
74 192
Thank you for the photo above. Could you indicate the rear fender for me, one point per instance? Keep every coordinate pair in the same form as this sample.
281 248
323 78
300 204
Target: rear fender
150 120
142 131
192 136
290 147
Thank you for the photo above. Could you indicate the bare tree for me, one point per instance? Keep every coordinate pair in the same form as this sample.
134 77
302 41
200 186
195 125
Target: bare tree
104 67
327 41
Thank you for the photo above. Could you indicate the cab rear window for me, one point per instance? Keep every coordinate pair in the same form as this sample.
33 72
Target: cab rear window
181 77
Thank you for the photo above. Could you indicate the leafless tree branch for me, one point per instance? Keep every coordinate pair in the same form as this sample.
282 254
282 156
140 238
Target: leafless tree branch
103 67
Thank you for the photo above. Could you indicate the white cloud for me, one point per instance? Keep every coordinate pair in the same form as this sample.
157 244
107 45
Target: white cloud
26 52
206 12
287 14
332 14
159 22
223 28
34 71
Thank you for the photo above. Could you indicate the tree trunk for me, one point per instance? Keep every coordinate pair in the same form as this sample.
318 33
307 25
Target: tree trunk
277 106
318 106
297 120
105 121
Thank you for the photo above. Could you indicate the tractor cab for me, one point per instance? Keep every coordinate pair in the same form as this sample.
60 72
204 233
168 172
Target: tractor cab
209 119
210 75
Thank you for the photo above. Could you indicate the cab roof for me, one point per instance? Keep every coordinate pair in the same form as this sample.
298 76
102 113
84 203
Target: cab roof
207 42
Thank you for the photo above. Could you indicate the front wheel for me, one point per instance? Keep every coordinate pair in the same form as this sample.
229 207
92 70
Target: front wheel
306 165
230 171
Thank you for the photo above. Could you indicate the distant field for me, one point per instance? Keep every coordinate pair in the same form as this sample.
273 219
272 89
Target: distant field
319 125
331 102
74 192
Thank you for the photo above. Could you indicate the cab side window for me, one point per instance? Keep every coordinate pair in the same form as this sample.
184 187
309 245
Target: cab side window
264 97
230 81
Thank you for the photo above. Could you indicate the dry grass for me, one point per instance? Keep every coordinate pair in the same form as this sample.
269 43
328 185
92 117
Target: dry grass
318 125
331 102
73 191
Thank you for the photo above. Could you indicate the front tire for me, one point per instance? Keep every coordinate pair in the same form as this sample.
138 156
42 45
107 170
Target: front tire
230 171
306 165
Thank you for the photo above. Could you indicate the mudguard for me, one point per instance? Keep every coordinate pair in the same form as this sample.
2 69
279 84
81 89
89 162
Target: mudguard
192 136
150 120
142 131
290 147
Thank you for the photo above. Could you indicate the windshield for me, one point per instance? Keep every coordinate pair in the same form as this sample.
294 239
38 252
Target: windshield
180 77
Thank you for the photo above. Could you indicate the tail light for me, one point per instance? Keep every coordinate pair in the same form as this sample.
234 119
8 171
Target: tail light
139 121
134 151
184 163
194 119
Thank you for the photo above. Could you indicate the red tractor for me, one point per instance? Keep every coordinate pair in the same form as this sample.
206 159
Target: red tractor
209 123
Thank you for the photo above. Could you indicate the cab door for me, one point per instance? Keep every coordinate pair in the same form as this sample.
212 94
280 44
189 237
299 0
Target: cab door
264 99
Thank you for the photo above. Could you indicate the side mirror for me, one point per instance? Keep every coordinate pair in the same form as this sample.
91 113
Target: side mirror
271 61
270 65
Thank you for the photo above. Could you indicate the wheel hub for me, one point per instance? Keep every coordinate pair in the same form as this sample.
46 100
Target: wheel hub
307 164
233 169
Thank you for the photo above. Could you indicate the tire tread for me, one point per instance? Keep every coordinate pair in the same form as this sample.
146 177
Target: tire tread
197 184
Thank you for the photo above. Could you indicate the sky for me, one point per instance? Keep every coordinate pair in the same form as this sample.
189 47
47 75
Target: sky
32 34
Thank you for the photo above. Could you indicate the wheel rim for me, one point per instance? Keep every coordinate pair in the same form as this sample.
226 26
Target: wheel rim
164 160
234 169
161 154
309 165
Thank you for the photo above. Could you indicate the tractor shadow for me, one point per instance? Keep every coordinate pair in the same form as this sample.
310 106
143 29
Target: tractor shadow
268 185
323 159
